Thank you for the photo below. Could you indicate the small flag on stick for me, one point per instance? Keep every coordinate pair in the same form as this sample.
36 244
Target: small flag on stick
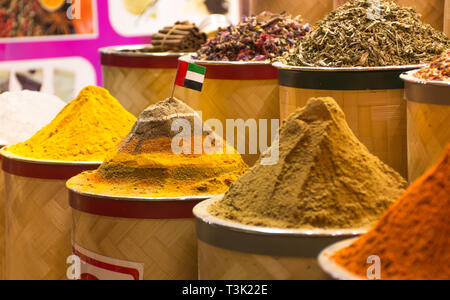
190 75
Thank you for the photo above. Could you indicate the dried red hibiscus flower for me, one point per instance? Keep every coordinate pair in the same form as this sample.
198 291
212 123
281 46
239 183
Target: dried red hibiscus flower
256 38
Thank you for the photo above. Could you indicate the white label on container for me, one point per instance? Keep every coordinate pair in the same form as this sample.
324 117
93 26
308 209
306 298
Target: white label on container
98 267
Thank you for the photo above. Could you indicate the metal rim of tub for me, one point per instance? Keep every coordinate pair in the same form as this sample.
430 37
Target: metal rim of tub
120 56
134 207
280 65
263 240
235 70
348 78
43 169
330 267
425 91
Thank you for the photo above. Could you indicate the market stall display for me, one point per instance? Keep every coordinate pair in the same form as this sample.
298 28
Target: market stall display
37 210
119 185
358 63
427 92
411 239
148 191
326 183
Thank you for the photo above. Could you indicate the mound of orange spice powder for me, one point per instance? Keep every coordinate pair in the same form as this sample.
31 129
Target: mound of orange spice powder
413 238
145 164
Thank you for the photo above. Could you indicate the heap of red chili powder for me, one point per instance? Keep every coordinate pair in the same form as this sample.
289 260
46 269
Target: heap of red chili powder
413 238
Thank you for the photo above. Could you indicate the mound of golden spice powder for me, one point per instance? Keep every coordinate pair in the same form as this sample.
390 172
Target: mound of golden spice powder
146 163
86 129
325 178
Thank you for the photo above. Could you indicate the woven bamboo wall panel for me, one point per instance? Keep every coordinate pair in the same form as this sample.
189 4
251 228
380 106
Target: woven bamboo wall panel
38 226
137 88
2 224
222 264
237 99
311 11
428 136
432 11
447 18
378 119
168 248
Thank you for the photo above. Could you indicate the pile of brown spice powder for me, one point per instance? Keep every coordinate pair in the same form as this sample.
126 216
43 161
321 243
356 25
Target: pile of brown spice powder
325 178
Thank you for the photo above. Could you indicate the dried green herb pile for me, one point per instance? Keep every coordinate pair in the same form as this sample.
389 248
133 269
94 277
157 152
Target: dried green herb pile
369 34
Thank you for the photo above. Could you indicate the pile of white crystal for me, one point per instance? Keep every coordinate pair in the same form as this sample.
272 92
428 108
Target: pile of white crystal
24 113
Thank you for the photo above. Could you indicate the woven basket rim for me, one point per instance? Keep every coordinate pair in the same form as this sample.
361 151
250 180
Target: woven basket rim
7 154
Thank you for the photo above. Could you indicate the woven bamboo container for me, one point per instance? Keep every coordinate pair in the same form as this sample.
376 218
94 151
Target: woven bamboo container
371 98
2 222
38 217
154 238
311 11
428 113
232 251
447 18
138 80
237 90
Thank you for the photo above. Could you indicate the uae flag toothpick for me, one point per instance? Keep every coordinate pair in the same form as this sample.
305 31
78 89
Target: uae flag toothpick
190 76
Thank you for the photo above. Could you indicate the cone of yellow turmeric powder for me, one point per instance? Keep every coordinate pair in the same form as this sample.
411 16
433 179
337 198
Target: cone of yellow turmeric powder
325 178
412 239
148 164
85 130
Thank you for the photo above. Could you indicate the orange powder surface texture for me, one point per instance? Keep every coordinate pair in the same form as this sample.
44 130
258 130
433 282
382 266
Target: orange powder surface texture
413 238
145 164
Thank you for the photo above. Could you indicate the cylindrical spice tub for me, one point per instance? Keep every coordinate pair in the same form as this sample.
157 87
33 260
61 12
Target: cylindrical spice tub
38 216
428 110
371 98
137 78
237 90
2 221
134 238
233 251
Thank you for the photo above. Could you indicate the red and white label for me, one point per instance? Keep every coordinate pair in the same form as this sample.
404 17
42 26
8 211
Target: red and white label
97 267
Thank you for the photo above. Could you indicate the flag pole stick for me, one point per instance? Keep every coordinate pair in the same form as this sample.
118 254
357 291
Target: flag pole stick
175 81
173 90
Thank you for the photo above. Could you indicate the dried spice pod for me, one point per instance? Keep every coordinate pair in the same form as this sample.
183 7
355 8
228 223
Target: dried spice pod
256 38
369 34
